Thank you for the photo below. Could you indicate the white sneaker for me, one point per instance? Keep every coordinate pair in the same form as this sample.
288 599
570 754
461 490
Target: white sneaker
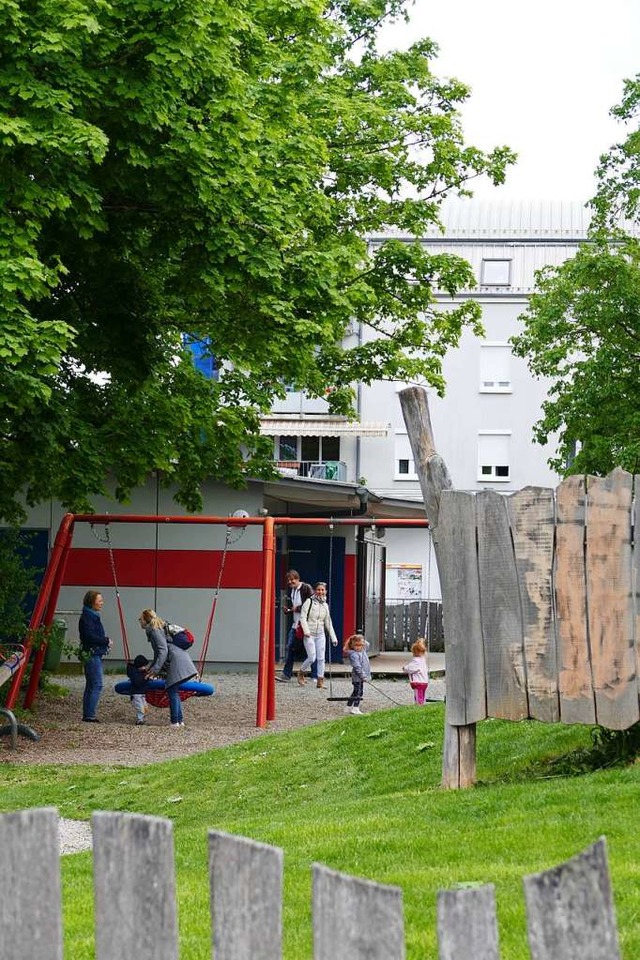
356 711
348 709
177 725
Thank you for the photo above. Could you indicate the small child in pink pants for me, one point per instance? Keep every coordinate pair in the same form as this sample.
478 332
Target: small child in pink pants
418 671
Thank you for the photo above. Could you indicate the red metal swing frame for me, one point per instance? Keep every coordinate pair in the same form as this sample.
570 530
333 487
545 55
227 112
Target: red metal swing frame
45 606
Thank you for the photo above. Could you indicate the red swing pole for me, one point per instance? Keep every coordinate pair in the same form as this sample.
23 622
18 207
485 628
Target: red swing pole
266 702
47 620
44 607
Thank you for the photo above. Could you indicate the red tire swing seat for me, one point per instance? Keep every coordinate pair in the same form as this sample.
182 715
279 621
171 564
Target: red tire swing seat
156 693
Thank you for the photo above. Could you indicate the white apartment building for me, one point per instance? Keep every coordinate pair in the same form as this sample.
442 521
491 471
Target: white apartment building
483 426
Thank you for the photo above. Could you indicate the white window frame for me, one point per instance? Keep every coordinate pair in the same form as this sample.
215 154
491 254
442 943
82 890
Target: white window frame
495 385
494 465
403 448
484 282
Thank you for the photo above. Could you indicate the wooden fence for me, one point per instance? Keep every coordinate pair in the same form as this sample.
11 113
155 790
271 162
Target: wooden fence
406 620
569 909
540 596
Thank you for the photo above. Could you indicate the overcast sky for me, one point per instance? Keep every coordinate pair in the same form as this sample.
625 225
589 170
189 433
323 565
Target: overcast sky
543 76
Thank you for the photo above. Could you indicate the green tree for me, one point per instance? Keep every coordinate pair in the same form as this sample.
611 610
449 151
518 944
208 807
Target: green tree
212 170
582 325
18 579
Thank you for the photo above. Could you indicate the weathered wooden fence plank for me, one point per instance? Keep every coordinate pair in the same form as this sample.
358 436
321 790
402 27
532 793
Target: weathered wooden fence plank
500 611
467 924
414 620
30 904
532 517
390 629
135 890
575 685
246 898
609 593
455 540
355 918
399 627
570 910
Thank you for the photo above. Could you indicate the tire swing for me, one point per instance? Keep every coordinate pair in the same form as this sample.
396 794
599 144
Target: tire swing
156 693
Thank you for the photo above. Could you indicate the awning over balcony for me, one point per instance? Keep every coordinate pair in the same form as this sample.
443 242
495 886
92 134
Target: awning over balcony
301 426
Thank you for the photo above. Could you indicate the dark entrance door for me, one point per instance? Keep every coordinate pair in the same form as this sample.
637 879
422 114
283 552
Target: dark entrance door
315 558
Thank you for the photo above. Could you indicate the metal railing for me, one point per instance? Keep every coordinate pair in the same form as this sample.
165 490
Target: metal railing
314 469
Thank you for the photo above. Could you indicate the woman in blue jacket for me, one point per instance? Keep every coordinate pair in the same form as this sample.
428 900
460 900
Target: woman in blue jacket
95 645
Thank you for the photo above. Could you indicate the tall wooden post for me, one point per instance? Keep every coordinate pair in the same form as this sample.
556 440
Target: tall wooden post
459 753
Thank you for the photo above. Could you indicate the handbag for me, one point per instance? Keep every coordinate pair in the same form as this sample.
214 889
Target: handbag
299 632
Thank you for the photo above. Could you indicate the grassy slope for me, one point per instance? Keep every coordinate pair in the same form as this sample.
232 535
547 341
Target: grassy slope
362 796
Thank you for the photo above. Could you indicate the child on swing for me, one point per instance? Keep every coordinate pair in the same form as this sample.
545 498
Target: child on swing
418 671
355 648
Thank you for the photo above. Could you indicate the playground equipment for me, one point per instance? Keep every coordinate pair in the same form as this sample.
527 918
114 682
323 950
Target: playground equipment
156 693
539 595
12 656
45 606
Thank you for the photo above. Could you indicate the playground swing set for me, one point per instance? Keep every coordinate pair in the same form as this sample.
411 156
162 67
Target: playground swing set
45 605
155 693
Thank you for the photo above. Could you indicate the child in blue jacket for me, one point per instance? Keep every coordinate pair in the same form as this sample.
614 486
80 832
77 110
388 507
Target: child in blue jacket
137 673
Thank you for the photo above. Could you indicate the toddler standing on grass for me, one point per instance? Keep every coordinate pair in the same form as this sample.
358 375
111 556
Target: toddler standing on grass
418 671
355 648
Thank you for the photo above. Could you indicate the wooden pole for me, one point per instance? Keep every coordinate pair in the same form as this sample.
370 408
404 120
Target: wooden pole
459 750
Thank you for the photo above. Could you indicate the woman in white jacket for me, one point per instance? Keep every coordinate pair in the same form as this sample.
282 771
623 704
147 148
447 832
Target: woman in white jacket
315 619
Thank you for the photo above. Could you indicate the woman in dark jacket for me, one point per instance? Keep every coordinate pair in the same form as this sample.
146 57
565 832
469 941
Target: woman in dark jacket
180 666
95 645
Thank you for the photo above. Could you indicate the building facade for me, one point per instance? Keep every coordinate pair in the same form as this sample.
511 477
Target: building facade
483 426
330 467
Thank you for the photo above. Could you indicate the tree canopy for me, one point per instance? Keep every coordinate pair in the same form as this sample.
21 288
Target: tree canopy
582 326
210 170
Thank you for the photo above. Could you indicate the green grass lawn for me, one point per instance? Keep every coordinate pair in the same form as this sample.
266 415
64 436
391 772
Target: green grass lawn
362 795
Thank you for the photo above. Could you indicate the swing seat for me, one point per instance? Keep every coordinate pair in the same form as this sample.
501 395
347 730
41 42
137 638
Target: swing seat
156 692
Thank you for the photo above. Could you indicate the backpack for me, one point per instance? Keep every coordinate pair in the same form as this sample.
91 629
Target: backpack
179 636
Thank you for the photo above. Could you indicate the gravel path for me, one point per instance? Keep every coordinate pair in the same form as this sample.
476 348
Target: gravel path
227 717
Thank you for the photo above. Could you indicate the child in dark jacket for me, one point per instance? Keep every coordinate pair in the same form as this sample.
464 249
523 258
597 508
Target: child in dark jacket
137 673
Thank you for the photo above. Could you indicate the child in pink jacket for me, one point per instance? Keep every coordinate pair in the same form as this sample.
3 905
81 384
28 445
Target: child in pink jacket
418 671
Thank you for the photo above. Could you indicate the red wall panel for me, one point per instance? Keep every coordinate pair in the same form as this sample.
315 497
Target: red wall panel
165 568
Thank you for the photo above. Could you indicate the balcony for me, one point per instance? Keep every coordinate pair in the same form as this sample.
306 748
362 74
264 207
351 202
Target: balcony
313 469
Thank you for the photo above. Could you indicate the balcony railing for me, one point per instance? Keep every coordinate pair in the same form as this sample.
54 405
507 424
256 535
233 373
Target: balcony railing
313 469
